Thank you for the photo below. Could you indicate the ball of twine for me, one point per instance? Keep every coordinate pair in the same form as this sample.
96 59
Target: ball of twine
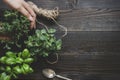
51 14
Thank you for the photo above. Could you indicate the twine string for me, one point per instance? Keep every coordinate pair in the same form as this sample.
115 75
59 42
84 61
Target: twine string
50 14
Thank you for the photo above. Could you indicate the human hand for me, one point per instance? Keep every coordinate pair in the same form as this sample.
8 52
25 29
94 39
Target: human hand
24 8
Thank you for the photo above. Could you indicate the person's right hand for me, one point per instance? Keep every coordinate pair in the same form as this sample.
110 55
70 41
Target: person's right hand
24 8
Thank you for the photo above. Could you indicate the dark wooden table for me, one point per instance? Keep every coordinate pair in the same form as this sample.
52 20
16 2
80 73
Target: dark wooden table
91 50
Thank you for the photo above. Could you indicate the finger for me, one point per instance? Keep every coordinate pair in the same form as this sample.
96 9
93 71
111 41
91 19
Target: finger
25 13
35 24
32 25
29 9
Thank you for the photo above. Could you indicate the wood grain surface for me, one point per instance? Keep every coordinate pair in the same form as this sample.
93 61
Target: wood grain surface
91 50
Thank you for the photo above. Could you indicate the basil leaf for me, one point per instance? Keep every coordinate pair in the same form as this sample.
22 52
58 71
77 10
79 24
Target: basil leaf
10 54
10 61
17 70
25 53
19 60
28 60
3 59
51 31
8 69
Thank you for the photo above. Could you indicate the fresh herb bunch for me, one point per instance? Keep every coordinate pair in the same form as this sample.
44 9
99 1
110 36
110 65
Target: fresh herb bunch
13 64
43 42
16 26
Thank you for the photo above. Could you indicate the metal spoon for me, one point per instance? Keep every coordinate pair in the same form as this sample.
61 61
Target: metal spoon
49 73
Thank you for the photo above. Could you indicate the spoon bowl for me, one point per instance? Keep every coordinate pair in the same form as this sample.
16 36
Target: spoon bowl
49 73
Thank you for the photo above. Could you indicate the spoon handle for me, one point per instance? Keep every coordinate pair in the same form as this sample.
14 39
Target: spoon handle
62 77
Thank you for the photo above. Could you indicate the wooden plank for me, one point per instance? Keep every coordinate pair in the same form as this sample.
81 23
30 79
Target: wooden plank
92 41
83 66
92 20
95 15
85 55
66 4
87 18
91 48
73 4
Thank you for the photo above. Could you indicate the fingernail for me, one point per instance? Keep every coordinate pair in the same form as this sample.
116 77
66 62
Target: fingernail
30 18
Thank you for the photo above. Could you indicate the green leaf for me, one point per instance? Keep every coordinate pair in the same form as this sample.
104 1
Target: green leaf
10 54
4 76
38 33
17 70
7 47
30 70
14 75
3 59
29 44
19 54
10 61
43 31
7 78
26 68
19 60
25 53
58 43
23 71
42 37
28 60
8 68
45 54
51 31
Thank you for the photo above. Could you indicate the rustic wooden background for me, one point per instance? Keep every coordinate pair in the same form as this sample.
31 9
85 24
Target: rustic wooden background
91 50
